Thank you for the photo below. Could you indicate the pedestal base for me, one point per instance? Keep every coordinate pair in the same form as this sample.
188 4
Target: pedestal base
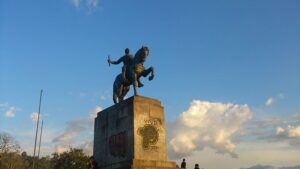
131 135
141 164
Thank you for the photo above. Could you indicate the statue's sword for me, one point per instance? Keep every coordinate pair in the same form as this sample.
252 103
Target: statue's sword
108 57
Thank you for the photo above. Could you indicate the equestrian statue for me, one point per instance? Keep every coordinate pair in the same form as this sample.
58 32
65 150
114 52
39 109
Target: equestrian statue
133 68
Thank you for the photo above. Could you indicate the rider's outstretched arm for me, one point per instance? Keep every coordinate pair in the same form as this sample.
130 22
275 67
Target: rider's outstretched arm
117 62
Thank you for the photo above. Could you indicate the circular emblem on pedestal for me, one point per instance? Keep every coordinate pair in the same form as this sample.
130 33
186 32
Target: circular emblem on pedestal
149 135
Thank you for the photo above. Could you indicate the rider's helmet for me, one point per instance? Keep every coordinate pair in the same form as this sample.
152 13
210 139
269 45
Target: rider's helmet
126 51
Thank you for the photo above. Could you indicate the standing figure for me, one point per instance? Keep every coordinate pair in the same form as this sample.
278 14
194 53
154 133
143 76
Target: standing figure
183 164
92 164
196 166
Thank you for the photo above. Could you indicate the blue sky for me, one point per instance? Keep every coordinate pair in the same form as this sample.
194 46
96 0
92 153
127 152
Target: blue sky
241 52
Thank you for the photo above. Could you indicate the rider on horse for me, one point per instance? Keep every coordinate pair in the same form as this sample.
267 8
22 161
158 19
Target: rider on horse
127 60
132 70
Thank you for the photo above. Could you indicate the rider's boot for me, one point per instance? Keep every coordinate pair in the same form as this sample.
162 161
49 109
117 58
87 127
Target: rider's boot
123 77
121 90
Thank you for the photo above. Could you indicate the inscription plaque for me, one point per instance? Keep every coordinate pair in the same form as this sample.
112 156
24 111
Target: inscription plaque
118 144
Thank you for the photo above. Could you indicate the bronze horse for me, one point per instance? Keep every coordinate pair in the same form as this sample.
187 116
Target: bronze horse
135 70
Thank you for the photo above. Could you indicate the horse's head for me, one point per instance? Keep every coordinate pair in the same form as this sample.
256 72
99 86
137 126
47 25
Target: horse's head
141 54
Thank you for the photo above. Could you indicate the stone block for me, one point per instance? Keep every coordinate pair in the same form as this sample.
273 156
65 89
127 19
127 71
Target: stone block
131 134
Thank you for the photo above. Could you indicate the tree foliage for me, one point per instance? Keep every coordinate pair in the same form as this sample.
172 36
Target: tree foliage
72 159
9 153
11 158
8 144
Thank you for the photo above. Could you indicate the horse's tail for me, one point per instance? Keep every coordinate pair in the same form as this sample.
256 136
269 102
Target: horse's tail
116 87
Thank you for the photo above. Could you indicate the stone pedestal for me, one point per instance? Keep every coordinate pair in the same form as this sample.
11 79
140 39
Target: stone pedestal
131 134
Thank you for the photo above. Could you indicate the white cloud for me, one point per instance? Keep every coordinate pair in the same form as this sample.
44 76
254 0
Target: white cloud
61 148
207 124
279 130
290 135
267 122
274 122
87 4
10 114
87 146
294 132
289 132
73 129
9 111
76 134
276 129
269 102
93 113
34 116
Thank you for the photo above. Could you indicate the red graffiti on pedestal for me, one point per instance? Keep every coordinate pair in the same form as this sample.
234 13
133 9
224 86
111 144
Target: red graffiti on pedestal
118 144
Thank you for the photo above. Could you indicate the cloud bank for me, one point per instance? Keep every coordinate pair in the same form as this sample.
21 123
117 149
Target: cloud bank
76 134
271 167
291 134
283 129
74 128
207 124
94 112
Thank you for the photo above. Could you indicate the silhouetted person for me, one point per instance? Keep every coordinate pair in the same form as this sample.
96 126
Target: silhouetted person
196 166
92 164
183 164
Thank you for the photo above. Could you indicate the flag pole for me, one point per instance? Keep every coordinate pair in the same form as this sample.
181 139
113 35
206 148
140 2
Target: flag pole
37 128
37 164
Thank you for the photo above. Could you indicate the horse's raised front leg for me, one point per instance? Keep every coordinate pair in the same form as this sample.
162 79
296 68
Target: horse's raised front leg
152 73
147 71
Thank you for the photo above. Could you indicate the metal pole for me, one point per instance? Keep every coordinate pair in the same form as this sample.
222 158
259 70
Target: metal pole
37 128
37 164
